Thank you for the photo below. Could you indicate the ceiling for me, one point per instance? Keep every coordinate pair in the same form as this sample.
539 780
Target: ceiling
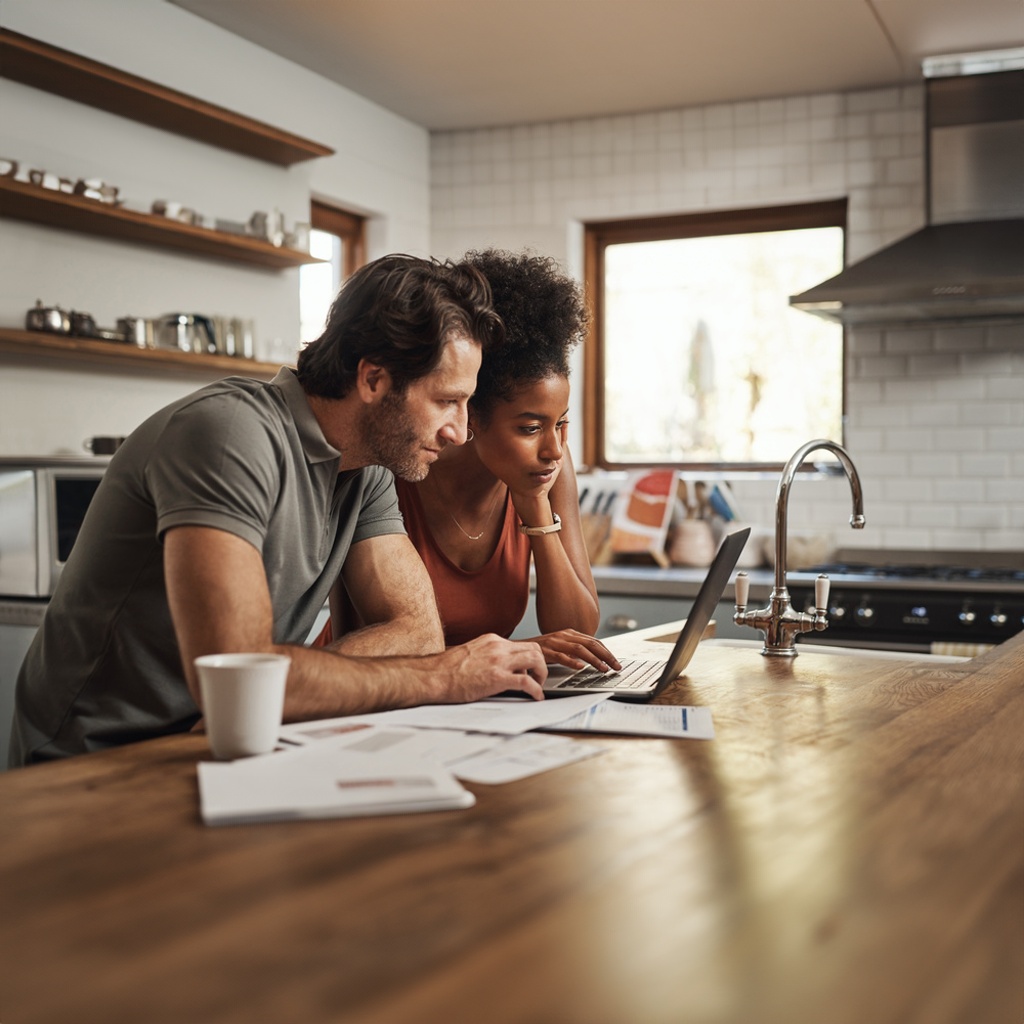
447 64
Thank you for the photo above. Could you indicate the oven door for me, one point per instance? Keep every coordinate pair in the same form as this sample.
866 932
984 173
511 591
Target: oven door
919 620
64 496
19 548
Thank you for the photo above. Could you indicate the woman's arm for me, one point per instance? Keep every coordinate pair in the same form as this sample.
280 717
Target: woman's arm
568 611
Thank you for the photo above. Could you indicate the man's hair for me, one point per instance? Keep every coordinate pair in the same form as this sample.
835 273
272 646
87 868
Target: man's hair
544 316
398 312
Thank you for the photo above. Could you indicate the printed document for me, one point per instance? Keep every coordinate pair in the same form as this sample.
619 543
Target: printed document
518 757
641 720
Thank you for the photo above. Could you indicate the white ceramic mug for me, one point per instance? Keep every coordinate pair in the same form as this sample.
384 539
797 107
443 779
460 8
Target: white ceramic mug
243 701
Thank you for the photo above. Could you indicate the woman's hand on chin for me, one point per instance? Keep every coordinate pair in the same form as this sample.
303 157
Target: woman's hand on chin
574 649
533 505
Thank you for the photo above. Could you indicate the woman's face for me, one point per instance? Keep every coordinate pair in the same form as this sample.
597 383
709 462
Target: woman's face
522 442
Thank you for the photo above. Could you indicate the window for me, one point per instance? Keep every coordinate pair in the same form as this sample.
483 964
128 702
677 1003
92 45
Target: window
696 358
337 236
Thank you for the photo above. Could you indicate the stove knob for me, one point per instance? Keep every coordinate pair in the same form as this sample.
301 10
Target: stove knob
837 611
865 613
998 618
967 616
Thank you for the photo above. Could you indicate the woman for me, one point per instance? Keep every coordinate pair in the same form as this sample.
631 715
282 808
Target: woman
509 493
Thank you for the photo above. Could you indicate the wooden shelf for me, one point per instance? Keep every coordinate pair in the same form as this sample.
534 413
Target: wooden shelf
59 347
24 201
42 66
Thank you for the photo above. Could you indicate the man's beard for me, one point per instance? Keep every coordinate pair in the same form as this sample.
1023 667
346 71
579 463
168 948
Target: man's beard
392 440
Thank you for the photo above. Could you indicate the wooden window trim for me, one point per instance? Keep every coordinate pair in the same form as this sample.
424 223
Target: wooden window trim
348 226
598 235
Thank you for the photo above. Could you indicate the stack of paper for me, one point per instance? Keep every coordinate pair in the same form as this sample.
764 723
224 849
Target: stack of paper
324 781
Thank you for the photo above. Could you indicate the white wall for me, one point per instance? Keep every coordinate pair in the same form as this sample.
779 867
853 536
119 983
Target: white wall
381 168
936 416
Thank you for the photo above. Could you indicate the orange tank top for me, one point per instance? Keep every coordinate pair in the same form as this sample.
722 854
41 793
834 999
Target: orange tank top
492 599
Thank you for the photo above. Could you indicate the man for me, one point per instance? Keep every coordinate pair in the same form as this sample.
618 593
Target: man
224 519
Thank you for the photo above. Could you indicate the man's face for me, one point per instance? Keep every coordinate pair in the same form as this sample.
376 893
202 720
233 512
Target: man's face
406 431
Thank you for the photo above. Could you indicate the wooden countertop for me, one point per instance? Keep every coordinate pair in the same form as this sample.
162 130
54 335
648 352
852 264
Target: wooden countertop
849 849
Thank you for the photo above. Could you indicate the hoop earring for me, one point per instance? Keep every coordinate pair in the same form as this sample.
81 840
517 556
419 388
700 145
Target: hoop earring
470 435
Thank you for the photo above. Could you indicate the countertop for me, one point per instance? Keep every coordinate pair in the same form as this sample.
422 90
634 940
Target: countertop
848 849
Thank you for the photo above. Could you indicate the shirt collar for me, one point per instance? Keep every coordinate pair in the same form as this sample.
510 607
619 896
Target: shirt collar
314 445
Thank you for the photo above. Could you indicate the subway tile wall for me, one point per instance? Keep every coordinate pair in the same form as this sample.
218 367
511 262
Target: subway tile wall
935 414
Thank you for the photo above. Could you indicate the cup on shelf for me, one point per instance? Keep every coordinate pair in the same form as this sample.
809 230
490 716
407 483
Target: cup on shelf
94 188
47 179
243 701
102 445
298 237
175 211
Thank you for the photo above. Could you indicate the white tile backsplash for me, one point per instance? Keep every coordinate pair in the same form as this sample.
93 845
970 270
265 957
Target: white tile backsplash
935 417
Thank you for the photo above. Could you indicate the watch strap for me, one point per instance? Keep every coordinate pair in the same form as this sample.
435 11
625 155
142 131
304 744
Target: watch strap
539 531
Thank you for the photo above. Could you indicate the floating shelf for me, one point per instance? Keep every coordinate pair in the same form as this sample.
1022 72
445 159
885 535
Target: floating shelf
59 347
24 201
42 66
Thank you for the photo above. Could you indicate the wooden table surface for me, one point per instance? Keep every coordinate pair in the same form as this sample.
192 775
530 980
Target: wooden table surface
849 849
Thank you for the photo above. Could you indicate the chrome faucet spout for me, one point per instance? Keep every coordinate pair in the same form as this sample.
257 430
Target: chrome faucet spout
786 484
779 623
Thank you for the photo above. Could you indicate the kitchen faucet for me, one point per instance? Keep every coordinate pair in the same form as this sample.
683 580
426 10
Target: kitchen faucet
779 623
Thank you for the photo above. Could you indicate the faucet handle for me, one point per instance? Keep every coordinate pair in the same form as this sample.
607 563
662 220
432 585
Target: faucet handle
821 587
742 589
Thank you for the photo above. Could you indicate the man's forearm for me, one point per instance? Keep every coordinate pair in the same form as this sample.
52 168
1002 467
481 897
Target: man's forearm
400 636
326 684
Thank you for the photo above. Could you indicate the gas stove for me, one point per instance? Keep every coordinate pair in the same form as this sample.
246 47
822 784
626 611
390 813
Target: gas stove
917 601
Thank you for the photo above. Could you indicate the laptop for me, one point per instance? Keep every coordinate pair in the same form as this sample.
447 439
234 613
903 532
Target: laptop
641 680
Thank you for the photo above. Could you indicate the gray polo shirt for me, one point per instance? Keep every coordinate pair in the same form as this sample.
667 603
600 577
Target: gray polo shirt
240 455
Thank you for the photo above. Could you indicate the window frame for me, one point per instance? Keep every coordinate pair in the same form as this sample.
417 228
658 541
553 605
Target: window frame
598 235
350 227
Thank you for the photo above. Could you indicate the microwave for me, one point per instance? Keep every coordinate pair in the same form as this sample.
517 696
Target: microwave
42 505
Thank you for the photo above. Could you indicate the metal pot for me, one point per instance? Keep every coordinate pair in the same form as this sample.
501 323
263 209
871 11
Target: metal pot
136 331
47 318
185 332
83 324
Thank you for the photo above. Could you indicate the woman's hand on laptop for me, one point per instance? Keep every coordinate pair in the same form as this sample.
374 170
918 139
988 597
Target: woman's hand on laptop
573 649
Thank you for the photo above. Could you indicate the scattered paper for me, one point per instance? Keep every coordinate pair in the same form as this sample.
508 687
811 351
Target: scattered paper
506 717
641 720
518 757
443 746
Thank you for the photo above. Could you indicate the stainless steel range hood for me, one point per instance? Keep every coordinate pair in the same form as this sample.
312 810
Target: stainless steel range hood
969 261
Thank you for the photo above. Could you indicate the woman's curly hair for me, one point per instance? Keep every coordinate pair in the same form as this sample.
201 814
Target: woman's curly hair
544 315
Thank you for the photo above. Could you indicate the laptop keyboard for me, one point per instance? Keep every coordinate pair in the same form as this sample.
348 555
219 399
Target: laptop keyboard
634 675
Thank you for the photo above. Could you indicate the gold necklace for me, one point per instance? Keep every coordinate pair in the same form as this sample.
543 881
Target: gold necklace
487 515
